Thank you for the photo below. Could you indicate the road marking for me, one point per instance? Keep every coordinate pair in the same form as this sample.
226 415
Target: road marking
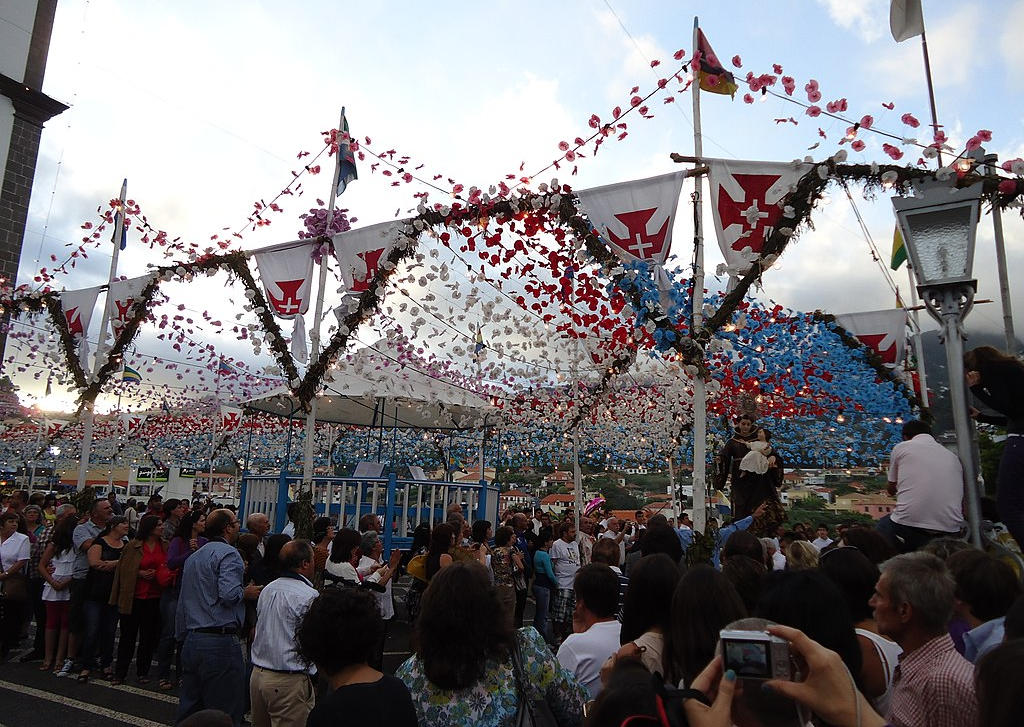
83 706
170 699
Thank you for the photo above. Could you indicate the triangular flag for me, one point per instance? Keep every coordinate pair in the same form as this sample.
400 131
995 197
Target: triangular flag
712 74
346 158
882 331
899 249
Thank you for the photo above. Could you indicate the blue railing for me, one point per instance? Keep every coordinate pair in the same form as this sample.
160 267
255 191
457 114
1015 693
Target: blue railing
400 503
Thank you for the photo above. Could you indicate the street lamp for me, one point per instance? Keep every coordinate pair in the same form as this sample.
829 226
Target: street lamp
938 226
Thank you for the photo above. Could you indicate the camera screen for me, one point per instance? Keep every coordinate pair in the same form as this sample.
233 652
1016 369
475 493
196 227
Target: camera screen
748 659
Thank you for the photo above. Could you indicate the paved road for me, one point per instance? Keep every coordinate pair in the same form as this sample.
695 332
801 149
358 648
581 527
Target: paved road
30 698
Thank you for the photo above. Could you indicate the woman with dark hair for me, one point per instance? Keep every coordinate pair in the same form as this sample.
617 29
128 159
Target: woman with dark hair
323 536
505 560
442 540
339 634
743 542
870 542
269 566
60 553
647 610
809 601
136 593
750 489
703 603
997 380
340 568
999 684
462 670
746 575
100 616
188 538
855 576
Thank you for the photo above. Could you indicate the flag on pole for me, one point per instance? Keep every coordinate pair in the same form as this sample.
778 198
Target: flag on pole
49 384
346 158
905 19
711 73
117 218
899 250
223 368
130 374
882 331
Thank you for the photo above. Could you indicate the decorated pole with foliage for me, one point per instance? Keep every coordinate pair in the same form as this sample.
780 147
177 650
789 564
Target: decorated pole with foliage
89 413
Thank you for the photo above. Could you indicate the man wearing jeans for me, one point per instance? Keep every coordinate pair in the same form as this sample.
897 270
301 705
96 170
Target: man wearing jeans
209 618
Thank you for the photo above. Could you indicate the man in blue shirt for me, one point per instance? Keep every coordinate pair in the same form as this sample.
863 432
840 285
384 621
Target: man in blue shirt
209 618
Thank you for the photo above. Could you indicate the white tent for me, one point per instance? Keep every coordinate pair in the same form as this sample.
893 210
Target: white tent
371 389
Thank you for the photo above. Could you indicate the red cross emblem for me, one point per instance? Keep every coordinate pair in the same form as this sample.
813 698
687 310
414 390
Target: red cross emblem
372 260
874 342
289 303
230 421
74 321
756 216
639 243
120 319
52 430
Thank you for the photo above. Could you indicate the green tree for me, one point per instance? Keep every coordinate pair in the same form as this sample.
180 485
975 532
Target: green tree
991 453
814 510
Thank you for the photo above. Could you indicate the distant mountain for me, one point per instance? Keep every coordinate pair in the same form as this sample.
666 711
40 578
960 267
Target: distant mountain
938 376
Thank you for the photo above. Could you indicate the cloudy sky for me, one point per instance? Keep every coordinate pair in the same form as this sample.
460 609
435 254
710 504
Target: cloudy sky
204 107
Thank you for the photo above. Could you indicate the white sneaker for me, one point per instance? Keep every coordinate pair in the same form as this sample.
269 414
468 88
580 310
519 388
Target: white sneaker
65 668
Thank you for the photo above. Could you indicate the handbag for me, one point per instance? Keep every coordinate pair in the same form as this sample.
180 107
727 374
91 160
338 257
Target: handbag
15 587
530 712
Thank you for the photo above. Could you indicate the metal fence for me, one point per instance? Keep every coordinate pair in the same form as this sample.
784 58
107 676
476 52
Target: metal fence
401 504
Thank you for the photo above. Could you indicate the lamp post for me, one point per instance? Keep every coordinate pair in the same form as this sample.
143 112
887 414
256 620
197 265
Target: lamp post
938 226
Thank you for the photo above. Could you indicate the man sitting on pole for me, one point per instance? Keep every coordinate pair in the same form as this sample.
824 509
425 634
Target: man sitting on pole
927 481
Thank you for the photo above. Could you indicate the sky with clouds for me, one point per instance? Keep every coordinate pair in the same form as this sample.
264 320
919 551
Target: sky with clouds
204 106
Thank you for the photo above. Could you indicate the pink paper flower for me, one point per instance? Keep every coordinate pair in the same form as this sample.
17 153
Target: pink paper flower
813 111
812 85
747 98
857 145
866 122
814 96
985 135
910 121
679 54
737 61
563 145
777 68
1008 186
892 151
973 143
789 85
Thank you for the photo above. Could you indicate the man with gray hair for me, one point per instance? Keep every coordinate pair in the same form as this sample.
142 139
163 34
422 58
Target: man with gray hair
373 570
933 685
280 687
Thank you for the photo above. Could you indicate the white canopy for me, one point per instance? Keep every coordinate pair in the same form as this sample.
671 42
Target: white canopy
370 389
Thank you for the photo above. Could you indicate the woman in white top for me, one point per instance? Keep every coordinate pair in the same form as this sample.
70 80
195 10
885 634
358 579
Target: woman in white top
856 576
56 566
340 568
15 550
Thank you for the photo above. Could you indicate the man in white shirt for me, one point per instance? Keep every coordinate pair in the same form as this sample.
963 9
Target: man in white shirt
595 634
927 481
617 532
586 539
823 540
280 688
565 561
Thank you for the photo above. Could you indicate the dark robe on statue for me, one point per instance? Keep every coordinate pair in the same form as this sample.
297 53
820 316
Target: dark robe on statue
750 489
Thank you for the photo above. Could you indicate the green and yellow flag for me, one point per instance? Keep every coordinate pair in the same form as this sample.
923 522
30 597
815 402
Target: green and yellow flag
899 250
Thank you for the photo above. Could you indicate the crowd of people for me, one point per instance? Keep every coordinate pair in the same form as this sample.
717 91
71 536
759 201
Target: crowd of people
904 624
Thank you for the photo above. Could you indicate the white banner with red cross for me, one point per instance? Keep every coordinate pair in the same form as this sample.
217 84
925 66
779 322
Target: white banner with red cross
883 331
635 219
54 426
360 252
287 277
745 199
122 295
230 419
77 306
130 424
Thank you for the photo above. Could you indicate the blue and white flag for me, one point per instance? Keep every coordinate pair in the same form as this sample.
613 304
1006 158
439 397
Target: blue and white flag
346 158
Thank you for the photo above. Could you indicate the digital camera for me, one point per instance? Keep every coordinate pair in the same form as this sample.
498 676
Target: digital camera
755 655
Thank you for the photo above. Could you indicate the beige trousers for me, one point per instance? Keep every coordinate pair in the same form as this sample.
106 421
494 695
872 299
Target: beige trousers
280 700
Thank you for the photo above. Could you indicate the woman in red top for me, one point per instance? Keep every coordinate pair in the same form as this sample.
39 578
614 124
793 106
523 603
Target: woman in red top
136 593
